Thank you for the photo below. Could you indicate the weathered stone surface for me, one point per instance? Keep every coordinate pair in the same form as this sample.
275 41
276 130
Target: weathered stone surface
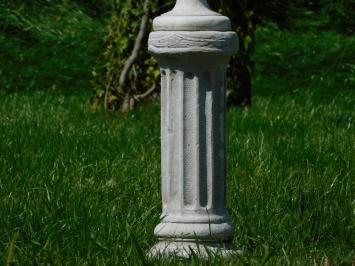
201 42
193 54
186 249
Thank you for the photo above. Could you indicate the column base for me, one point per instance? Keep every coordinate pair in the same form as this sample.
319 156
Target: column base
191 231
186 249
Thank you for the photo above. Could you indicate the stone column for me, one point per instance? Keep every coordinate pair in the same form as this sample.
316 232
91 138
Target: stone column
193 46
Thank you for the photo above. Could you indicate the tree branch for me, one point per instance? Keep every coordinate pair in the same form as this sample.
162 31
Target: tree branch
137 46
147 93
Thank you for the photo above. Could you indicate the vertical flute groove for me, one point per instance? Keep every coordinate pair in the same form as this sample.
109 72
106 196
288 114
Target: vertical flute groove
165 107
174 142
224 127
197 95
180 138
189 140
218 130
204 87
209 144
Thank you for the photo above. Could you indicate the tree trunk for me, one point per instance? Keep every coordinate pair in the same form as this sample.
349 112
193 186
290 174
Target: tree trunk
240 91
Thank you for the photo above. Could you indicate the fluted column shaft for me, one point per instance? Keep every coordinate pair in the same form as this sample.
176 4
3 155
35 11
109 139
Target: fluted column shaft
193 143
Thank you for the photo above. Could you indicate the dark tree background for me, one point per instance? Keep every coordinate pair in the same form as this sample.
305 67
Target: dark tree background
126 76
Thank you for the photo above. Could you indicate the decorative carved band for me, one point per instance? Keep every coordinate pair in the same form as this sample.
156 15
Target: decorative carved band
180 41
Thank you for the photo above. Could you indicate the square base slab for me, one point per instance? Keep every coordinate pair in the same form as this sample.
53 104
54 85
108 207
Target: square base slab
188 249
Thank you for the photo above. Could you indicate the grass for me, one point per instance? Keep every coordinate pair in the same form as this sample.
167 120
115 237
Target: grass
47 45
81 187
292 61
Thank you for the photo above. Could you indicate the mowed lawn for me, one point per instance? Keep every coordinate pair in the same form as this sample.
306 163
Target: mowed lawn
82 187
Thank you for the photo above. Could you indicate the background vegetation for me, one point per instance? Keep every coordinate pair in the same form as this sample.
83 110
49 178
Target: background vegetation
117 89
81 186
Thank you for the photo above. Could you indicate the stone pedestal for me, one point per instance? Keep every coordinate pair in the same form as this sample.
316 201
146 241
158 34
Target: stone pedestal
193 45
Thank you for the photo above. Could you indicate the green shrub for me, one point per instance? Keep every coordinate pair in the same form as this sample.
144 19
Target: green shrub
124 27
339 14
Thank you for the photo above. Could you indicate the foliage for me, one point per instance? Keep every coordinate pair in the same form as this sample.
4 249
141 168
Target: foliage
245 16
52 43
47 44
122 31
96 8
340 14
121 36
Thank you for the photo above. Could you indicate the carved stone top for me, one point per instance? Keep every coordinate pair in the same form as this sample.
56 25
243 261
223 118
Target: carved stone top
192 15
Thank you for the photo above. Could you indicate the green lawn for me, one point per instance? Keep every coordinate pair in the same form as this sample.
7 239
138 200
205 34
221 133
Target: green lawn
47 44
82 187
